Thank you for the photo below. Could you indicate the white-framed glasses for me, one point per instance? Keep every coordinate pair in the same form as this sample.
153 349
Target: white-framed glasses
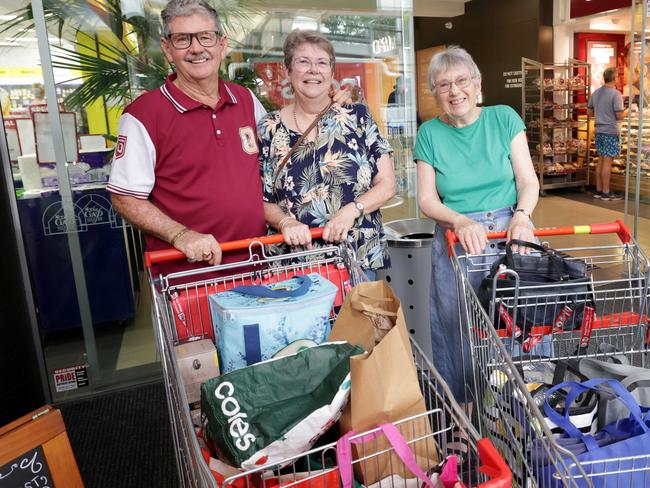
183 40
303 65
460 82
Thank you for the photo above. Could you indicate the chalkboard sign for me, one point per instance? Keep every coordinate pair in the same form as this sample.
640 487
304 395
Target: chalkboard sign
28 470
35 452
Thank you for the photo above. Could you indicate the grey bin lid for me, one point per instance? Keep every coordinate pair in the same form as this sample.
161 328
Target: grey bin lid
409 232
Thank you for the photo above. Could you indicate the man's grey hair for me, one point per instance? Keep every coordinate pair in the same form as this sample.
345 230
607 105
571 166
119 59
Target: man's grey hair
453 56
185 8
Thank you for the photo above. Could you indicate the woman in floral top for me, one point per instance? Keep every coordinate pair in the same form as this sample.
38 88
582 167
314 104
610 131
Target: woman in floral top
340 174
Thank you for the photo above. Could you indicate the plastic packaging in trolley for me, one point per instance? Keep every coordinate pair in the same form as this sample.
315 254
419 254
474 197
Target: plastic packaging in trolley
252 323
276 409
197 362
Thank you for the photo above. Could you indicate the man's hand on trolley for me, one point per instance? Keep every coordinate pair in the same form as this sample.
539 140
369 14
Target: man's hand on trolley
199 247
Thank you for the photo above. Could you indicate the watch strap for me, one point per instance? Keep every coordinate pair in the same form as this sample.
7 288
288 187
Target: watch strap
524 211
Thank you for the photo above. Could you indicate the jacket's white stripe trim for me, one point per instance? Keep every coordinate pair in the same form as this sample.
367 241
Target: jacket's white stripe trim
123 191
232 97
168 95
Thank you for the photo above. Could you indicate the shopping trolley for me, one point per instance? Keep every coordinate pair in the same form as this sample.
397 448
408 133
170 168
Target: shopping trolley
506 411
173 302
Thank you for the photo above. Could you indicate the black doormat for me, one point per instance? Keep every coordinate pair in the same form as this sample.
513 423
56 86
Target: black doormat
123 439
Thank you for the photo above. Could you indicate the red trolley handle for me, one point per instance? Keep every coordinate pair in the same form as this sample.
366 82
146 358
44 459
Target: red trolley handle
172 254
493 466
617 227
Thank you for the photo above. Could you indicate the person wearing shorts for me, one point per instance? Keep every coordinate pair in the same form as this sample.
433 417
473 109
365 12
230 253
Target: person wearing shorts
606 105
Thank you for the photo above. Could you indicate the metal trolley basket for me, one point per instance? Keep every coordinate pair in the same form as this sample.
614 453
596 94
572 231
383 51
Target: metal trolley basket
172 302
506 411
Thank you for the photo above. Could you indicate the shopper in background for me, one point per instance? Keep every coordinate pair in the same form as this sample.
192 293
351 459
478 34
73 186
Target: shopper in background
38 94
340 173
606 104
475 175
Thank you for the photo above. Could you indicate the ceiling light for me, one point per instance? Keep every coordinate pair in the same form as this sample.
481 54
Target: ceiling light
8 17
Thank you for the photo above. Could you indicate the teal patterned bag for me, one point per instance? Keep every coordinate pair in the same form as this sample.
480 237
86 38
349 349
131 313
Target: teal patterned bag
253 323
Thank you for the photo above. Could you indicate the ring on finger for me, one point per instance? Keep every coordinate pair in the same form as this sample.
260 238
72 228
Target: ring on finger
191 260
207 254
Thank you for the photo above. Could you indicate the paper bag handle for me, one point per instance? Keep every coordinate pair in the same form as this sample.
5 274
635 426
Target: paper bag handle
396 440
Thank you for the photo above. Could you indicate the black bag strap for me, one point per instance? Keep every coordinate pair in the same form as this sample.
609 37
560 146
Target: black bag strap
555 260
533 245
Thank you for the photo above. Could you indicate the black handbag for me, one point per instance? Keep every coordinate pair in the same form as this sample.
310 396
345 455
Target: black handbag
561 306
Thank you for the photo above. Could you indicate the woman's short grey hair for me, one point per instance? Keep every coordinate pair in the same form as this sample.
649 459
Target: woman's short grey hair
297 38
453 56
185 8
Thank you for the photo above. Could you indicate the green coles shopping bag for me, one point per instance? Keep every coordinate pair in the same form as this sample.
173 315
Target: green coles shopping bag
278 408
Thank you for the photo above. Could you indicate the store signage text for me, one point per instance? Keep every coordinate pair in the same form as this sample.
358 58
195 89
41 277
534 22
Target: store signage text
383 45
70 378
513 79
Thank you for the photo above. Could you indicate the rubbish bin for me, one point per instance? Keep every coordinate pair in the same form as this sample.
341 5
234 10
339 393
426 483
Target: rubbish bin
409 246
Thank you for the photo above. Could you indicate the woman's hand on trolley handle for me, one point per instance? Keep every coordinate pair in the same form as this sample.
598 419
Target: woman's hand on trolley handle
296 233
336 230
520 228
197 247
471 234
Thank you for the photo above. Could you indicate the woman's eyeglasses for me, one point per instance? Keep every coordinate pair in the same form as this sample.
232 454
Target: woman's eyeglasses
303 65
460 82
183 40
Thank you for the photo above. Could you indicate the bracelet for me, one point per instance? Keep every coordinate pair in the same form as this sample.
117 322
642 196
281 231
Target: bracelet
283 221
178 235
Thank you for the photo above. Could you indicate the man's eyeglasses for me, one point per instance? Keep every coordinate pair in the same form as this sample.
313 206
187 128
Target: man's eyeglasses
460 82
304 64
183 40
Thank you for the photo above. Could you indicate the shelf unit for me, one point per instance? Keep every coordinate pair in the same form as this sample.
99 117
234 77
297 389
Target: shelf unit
554 108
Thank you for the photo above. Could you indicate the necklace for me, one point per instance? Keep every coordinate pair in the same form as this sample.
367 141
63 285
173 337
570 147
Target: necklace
295 120
317 114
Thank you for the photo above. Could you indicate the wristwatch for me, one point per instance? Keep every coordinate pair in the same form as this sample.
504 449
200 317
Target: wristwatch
525 212
359 207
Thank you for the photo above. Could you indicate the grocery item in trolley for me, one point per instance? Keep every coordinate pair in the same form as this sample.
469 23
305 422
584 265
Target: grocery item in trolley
385 385
568 305
278 408
625 444
252 323
197 362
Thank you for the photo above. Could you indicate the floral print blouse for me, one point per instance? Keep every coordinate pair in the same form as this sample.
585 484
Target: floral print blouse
328 173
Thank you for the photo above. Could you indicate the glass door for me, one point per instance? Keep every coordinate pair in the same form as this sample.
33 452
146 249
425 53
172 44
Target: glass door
84 262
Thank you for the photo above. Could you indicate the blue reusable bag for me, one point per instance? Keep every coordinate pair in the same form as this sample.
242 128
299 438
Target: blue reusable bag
252 323
608 458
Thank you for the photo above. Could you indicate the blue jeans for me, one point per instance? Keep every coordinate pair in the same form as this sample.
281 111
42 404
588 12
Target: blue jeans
451 349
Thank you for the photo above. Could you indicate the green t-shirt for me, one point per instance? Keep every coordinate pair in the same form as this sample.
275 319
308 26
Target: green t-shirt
473 167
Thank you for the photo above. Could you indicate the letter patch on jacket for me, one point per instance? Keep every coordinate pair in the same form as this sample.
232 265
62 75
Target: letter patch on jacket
248 140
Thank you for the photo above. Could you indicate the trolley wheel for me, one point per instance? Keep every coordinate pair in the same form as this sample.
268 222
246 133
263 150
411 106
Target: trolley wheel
542 193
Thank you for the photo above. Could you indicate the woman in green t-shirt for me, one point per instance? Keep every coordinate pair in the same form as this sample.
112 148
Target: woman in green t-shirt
475 175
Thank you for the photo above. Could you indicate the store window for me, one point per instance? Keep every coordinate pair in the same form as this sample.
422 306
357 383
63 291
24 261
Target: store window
85 262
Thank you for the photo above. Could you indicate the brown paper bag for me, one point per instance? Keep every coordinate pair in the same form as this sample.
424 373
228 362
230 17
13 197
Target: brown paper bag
385 385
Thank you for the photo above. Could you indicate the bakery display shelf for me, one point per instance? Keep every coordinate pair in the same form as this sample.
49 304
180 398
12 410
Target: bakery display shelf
554 109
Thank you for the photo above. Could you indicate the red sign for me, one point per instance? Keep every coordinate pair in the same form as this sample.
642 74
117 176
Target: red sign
580 8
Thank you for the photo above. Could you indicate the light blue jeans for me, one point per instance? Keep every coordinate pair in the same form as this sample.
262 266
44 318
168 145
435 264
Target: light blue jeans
451 349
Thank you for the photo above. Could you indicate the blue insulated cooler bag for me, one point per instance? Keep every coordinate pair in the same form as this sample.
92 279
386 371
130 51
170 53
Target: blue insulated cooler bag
252 323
